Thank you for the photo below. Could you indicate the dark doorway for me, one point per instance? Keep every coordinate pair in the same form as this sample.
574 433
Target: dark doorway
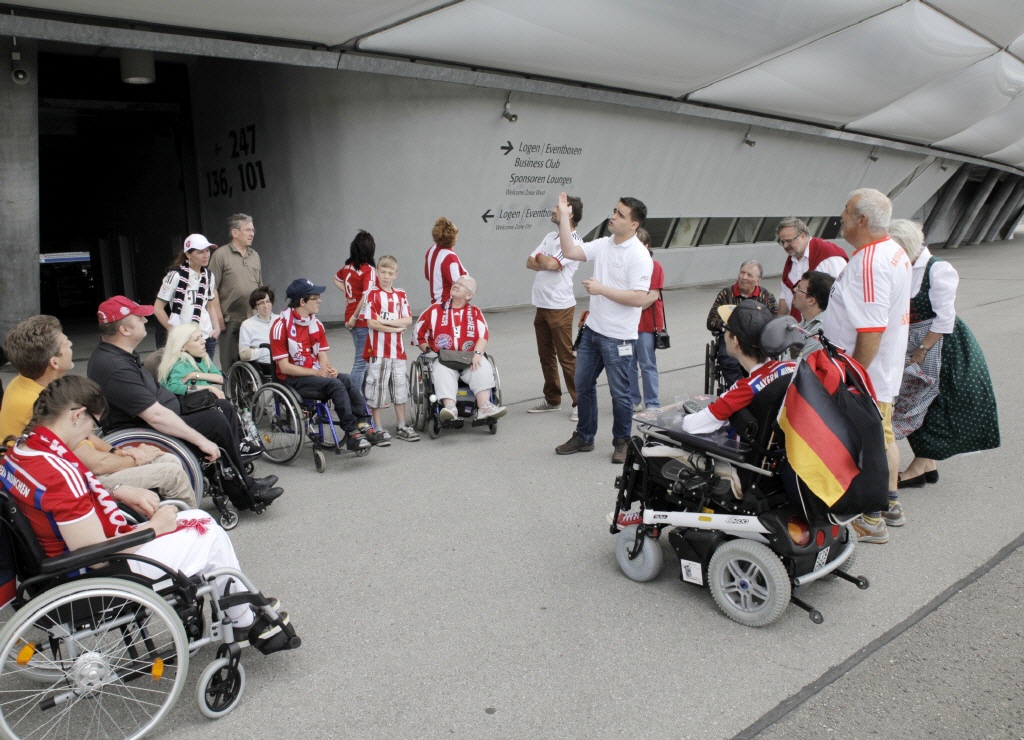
117 180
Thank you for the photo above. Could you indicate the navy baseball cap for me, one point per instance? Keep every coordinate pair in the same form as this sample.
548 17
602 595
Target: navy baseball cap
304 286
746 320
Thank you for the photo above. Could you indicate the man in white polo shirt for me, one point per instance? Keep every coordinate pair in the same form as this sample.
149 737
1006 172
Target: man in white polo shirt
618 289
869 313
553 296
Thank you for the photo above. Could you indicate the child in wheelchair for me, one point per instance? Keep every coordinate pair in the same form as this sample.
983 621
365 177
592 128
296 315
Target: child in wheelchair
744 522
69 509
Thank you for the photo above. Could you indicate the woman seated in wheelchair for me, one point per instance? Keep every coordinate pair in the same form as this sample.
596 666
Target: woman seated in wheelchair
185 367
743 324
254 335
454 324
68 507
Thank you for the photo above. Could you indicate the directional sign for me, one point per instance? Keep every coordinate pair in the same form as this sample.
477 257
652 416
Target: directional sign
507 148
487 215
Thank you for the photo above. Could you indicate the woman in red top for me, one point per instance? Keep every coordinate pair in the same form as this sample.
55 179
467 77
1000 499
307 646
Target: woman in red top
355 279
69 508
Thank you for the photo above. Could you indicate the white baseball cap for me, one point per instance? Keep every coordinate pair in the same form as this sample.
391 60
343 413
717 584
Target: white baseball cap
197 241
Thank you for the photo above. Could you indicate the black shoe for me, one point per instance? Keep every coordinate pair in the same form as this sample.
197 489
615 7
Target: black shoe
266 495
916 482
266 482
931 476
268 636
356 442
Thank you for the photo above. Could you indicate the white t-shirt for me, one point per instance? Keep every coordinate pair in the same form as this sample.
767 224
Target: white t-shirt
553 289
626 266
873 294
167 294
254 332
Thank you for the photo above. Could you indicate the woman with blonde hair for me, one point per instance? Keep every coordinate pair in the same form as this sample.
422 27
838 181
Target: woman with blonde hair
185 365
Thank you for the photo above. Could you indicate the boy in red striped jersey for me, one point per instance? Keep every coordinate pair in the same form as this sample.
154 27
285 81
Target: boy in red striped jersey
387 314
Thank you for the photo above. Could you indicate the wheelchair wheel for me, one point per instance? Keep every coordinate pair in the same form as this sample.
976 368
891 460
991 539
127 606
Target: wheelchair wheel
279 421
228 520
319 461
434 427
418 400
647 564
242 382
710 365
496 391
141 435
118 649
220 688
749 582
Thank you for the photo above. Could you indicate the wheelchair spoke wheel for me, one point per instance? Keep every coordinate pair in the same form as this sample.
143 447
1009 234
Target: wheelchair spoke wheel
117 654
242 383
749 582
319 461
647 564
170 445
220 688
417 406
279 421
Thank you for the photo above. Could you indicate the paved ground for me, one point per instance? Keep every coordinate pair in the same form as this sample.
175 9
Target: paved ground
467 586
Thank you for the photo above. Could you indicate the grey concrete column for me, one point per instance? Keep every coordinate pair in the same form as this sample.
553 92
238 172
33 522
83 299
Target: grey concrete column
1011 206
950 190
993 208
963 224
19 186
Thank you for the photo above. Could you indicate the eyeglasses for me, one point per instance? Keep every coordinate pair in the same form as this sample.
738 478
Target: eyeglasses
265 302
95 423
797 290
787 242
314 298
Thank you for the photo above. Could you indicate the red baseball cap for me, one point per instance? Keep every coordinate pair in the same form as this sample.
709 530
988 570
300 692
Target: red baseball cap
119 307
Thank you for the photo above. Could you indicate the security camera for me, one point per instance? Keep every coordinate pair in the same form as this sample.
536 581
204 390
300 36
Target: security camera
20 76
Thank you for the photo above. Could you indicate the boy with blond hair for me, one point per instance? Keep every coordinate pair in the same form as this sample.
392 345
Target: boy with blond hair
387 315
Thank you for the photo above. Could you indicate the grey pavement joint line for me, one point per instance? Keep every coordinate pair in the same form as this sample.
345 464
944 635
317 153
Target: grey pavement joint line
783 708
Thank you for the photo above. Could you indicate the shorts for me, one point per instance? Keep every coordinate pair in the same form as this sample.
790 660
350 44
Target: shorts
385 376
886 411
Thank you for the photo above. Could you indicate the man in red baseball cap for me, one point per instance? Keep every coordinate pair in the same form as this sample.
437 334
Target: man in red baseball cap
134 396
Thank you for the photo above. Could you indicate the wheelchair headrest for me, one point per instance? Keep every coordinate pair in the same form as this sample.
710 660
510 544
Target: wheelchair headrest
781 334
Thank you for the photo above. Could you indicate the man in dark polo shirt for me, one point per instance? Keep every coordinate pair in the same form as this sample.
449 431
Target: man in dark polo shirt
135 397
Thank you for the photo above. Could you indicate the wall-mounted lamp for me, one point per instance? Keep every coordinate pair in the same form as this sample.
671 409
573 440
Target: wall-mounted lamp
746 138
137 67
507 114
873 154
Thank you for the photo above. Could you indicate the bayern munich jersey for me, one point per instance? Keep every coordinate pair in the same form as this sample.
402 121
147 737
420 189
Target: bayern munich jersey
442 268
297 340
384 306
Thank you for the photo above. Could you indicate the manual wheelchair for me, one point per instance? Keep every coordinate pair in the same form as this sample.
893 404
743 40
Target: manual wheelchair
106 653
714 378
425 407
282 418
741 524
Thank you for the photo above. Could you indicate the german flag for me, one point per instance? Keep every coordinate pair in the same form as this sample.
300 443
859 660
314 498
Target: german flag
822 444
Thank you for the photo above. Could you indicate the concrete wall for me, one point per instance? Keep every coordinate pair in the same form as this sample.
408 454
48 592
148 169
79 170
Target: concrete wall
338 151
19 188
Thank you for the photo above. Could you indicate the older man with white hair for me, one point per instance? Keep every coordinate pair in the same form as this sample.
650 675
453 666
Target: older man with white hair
869 315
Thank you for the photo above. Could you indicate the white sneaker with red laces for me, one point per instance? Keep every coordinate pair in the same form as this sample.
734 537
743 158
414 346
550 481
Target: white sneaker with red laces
626 518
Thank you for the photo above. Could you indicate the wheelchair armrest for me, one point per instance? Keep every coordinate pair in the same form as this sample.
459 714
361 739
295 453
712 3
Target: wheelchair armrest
92 554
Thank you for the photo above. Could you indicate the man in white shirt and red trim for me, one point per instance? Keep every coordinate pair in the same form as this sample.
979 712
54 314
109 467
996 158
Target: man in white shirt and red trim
869 312
805 253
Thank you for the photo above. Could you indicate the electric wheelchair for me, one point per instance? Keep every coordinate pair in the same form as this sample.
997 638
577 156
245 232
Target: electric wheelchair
425 407
105 652
741 522
283 420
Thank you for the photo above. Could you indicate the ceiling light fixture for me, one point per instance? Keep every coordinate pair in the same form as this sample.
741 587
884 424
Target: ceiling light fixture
138 67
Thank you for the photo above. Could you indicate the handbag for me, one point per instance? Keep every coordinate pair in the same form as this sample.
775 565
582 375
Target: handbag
197 400
454 359
661 338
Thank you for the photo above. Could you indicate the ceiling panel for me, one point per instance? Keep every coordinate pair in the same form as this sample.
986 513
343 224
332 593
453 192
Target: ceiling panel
856 71
946 107
667 48
1000 20
328 22
991 134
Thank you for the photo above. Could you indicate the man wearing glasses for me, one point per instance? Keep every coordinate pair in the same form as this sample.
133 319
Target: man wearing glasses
804 253
810 298
237 270
298 347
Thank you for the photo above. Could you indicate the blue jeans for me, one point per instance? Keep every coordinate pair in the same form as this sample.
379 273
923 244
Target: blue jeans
599 353
358 374
647 363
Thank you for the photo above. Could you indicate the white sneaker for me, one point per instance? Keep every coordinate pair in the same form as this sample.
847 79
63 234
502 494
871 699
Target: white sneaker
490 411
575 415
448 413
